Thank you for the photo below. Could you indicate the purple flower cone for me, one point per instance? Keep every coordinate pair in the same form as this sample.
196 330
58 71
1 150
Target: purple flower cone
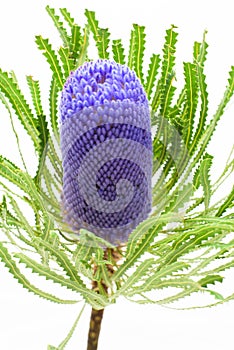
106 150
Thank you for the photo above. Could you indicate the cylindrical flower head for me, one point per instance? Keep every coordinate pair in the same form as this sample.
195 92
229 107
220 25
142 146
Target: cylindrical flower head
106 150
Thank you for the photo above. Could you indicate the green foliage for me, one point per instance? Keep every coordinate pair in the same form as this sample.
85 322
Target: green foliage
118 51
100 35
186 243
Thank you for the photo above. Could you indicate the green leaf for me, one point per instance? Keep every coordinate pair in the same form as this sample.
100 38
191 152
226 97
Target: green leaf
169 50
64 54
53 100
12 173
6 216
63 261
184 283
103 43
101 36
96 300
164 89
21 217
83 55
152 74
67 16
141 247
226 98
5 103
75 41
10 89
190 240
210 279
200 52
118 51
181 196
13 269
46 272
43 131
50 55
58 25
228 203
141 271
205 169
139 50
191 100
132 52
71 332
36 94
217 295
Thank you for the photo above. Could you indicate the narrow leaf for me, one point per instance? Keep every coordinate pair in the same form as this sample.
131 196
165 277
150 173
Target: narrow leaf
49 53
152 73
59 25
139 50
118 51
205 178
13 269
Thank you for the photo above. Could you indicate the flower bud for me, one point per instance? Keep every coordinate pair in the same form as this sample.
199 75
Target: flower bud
106 150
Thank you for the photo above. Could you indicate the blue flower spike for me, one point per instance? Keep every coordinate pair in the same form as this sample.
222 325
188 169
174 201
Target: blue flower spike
106 150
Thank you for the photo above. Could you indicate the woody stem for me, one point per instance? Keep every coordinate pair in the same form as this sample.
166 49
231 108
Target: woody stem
97 315
94 328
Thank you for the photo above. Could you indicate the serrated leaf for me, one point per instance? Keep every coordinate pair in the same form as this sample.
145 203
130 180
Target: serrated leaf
217 295
50 55
21 217
200 52
164 89
96 300
6 216
138 251
131 51
13 269
141 271
13 174
205 168
209 130
189 240
53 100
36 94
43 131
64 54
101 36
191 100
5 103
63 261
70 334
210 279
180 197
59 25
46 272
228 203
10 89
139 51
75 41
152 74
118 51
67 16
84 47
182 283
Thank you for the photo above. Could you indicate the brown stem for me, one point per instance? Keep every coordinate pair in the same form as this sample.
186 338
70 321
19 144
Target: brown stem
97 315
94 329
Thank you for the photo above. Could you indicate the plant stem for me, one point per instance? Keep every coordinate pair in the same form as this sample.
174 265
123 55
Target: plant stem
94 329
113 255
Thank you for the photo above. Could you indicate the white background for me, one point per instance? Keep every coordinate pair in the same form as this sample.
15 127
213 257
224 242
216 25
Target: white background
27 322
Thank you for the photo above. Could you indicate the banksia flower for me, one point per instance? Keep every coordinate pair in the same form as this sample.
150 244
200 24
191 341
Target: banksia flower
106 150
